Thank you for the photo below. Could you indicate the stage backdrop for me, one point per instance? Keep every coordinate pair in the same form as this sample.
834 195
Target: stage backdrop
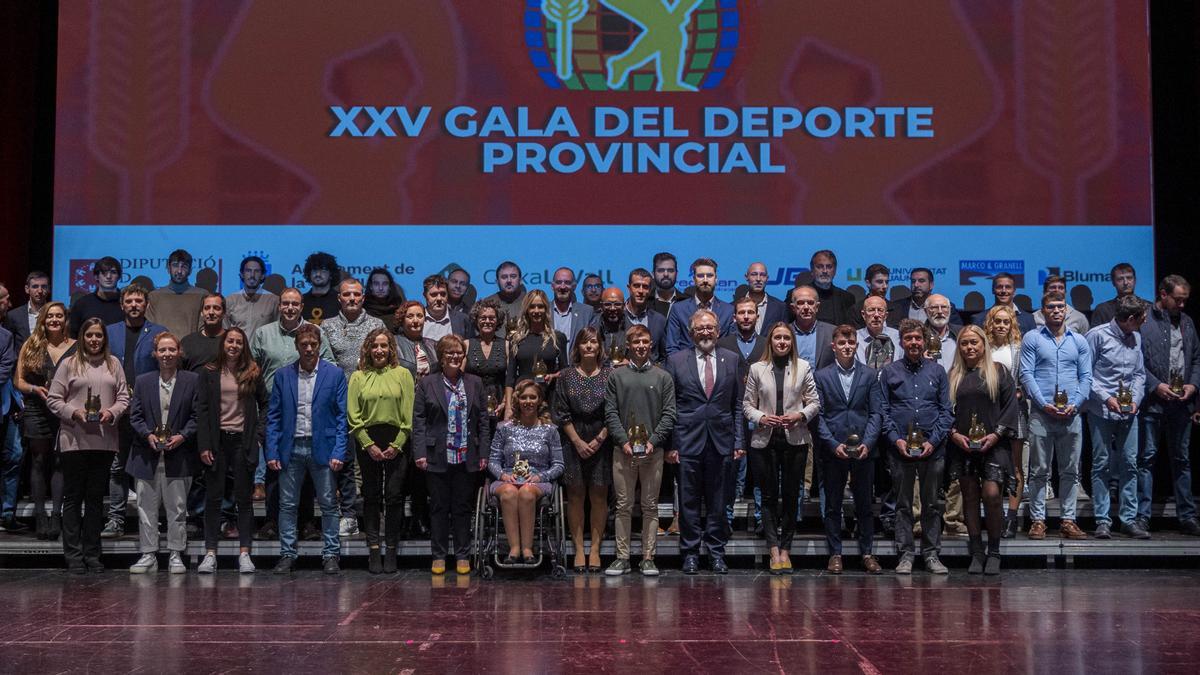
968 137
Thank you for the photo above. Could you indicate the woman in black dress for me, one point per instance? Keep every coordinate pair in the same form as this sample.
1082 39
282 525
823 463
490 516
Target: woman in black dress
45 348
578 408
487 357
535 349
984 400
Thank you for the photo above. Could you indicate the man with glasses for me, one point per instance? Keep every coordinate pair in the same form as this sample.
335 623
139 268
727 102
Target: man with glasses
177 305
941 341
1075 320
570 317
1056 375
920 286
105 301
593 286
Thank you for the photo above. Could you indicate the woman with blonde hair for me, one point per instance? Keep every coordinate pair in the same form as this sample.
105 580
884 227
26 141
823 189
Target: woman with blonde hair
979 457
1004 340
88 395
47 345
780 400
536 351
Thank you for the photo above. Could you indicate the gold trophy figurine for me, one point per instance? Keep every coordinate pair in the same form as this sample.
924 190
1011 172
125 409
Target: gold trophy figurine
162 435
852 443
1176 382
91 407
933 346
1060 399
638 438
1124 398
491 404
539 371
976 433
617 352
915 439
510 324
520 468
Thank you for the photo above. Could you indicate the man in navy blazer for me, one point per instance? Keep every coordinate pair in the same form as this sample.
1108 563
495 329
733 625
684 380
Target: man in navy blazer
306 434
136 359
639 310
569 317
704 282
706 441
770 310
850 406
749 346
10 453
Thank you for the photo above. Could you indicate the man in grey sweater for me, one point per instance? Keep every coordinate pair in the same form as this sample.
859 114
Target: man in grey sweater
638 395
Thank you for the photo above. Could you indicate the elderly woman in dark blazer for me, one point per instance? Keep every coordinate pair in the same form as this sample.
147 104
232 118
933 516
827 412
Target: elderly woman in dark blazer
162 466
450 426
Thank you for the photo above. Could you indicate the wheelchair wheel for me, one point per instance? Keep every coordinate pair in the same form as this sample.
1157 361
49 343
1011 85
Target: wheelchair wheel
486 572
559 572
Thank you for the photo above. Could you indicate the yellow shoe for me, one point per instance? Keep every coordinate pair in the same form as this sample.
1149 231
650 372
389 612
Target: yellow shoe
463 567
775 567
785 564
439 567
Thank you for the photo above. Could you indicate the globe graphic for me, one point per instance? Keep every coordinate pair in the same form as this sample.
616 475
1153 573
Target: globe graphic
603 33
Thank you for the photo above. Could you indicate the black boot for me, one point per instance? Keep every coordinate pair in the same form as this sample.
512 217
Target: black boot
375 562
41 524
977 561
1010 525
55 527
389 559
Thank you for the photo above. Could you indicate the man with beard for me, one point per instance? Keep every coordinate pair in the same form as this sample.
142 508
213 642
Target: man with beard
814 338
439 320
201 347
21 321
941 341
177 306
878 343
1004 289
837 304
706 441
253 306
920 286
509 292
704 280
323 274
666 272
569 317
769 310
638 312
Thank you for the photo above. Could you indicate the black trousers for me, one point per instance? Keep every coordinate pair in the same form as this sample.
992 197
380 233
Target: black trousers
904 475
704 478
415 487
779 464
85 481
382 492
862 486
230 457
451 501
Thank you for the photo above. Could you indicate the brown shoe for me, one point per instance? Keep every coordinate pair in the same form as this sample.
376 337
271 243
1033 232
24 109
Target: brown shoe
871 565
1037 529
1069 530
835 564
674 528
260 492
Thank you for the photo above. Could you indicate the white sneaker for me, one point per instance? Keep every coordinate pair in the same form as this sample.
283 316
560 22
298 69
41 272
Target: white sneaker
348 527
245 565
147 564
175 563
132 496
208 565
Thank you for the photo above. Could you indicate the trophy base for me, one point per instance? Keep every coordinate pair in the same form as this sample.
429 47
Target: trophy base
1125 410
915 453
975 445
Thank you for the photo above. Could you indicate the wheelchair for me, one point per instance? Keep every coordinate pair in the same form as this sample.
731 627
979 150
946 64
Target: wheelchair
549 537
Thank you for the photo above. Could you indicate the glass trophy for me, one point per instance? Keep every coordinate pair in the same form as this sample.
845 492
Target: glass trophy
91 407
1176 382
915 438
976 433
1060 400
539 371
1124 398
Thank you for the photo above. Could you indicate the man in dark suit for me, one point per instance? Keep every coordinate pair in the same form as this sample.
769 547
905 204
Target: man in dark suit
769 310
306 435
569 317
920 286
850 406
1004 289
704 280
706 441
749 345
11 453
638 311
836 304
163 472
813 336
21 320
666 272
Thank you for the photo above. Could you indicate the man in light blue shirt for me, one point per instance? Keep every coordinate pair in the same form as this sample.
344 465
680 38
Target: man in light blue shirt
1117 366
1056 374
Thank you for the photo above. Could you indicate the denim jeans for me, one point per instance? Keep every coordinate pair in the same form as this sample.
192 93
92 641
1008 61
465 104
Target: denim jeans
1114 455
11 452
260 472
1050 439
290 481
1175 423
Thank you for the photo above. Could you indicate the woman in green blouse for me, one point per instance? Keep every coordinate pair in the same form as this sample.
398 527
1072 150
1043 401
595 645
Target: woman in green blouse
380 407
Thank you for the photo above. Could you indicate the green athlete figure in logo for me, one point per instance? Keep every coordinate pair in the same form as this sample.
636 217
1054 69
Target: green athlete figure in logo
664 38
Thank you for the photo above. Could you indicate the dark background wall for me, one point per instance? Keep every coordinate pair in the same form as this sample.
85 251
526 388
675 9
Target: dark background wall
28 35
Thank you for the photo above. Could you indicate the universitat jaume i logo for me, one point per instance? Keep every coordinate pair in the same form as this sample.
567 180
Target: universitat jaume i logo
631 45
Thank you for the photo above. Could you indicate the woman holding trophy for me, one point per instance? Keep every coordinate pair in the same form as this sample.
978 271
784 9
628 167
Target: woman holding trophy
88 395
162 459
984 399
526 459
535 349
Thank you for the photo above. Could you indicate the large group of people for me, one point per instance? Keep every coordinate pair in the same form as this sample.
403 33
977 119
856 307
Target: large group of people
352 396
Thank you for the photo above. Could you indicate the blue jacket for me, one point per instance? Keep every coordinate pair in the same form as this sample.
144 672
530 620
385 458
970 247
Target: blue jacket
145 414
702 420
143 353
861 414
1156 348
329 426
920 395
10 398
679 335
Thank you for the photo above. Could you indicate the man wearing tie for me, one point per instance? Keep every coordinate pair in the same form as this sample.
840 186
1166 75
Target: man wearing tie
707 439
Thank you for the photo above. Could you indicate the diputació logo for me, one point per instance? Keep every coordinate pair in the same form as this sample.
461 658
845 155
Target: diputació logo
82 280
631 45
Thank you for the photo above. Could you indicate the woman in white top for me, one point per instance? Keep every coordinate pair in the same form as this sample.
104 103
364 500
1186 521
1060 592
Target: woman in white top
1004 341
780 400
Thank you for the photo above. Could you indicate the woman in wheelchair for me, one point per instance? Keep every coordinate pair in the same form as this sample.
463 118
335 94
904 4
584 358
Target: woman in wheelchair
526 459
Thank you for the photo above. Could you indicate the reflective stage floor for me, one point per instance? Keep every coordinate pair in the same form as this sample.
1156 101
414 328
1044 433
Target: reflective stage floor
1059 621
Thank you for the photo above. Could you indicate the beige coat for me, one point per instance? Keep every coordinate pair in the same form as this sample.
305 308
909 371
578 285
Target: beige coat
68 391
799 395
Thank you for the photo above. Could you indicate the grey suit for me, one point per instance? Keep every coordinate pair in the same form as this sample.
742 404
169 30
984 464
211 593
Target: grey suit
582 315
